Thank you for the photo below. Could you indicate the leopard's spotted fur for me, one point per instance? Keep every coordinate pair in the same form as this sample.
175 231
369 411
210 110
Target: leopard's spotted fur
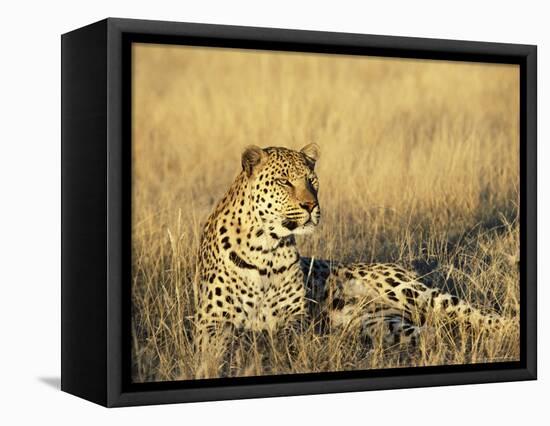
253 278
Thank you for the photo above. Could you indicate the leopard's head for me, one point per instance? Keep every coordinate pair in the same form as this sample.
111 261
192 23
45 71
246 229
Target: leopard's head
283 187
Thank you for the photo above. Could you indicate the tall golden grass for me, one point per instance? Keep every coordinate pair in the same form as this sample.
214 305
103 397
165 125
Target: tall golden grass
419 166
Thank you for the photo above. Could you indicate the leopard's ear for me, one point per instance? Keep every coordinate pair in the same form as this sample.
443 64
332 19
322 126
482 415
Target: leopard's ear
311 151
252 156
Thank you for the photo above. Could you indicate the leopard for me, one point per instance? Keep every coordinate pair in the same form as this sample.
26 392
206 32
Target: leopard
253 278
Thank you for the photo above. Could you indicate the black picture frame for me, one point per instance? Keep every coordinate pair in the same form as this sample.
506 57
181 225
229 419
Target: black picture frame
96 207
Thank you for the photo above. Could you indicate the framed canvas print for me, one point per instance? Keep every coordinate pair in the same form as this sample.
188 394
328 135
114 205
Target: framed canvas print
251 212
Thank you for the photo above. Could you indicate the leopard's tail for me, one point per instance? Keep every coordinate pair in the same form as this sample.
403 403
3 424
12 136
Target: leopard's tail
459 310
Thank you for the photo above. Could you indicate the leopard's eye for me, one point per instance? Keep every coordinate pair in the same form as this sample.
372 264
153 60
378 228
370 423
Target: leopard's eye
284 182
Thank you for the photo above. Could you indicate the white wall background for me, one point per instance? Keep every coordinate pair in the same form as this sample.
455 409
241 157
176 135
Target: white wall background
30 211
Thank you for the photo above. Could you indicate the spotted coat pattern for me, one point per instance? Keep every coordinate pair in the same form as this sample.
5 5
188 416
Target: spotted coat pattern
252 276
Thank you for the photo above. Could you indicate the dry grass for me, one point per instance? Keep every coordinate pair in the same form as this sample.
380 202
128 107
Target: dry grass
419 166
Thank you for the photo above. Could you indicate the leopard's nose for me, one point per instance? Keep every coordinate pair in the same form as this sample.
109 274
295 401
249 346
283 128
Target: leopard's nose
308 205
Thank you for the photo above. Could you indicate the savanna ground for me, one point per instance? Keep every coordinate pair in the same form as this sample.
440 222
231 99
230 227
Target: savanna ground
419 166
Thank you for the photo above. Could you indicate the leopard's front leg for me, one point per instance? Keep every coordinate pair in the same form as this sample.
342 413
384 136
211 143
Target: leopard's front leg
212 340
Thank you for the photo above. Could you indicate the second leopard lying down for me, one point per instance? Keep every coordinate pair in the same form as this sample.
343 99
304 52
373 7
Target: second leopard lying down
253 278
